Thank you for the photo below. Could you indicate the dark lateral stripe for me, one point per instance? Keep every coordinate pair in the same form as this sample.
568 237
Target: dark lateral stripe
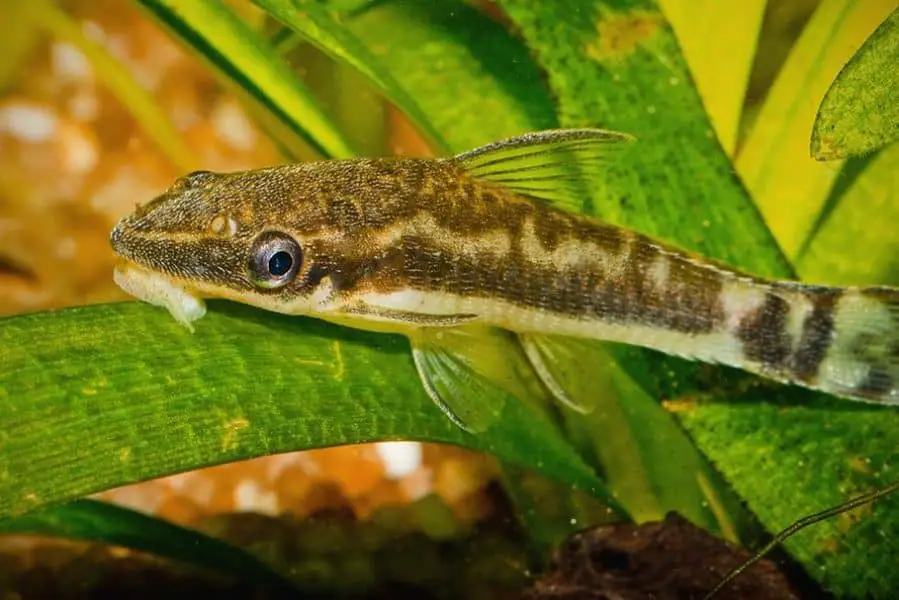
817 334
690 304
764 333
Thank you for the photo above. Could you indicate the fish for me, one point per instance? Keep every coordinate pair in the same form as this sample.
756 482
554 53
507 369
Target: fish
448 251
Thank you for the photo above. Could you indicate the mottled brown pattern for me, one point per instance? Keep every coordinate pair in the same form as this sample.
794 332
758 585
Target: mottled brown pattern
344 213
690 301
764 334
418 262
817 333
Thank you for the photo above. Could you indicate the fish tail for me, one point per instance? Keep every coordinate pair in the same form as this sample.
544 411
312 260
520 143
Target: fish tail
843 341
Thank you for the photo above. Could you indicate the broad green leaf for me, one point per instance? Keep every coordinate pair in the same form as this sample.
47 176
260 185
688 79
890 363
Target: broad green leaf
437 55
859 113
90 520
788 185
313 22
856 242
116 77
126 394
354 105
789 455
242 55
718 40
787 452
470 77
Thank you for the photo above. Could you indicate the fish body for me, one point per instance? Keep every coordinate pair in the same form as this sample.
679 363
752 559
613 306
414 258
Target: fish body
418 246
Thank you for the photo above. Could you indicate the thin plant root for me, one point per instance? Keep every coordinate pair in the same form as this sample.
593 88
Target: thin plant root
800 525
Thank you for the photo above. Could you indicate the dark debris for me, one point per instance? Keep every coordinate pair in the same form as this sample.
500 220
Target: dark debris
667 560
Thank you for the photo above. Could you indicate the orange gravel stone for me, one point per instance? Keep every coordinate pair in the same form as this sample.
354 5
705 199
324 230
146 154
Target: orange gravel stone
356 470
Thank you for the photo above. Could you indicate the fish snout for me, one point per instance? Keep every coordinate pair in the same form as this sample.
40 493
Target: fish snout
125 237
118 235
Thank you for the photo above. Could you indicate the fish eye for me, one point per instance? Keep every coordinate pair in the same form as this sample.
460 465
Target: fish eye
275 258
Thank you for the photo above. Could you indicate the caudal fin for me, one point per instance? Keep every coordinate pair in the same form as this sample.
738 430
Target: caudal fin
849 345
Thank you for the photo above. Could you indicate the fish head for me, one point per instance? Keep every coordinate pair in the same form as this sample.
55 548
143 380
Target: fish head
279 238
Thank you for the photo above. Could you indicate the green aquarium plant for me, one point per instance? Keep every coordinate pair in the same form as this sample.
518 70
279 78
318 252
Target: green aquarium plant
101 396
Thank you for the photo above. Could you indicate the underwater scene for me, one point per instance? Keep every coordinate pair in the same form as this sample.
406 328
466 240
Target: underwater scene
570 299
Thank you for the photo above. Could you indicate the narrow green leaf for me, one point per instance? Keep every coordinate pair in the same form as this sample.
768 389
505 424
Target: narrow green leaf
114 75
856 243
649 462
471 78
90 520
789 187
127 394
860 113
312 21
718 41
242 55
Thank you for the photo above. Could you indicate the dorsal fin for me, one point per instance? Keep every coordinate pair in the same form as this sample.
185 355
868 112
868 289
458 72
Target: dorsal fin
544 164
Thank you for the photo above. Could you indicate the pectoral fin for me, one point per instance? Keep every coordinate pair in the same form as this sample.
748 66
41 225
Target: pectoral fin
559 363
470 373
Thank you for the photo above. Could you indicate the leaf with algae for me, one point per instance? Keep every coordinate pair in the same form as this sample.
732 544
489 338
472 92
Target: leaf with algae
860 112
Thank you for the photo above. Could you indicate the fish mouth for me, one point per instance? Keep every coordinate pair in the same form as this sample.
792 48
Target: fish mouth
183 303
